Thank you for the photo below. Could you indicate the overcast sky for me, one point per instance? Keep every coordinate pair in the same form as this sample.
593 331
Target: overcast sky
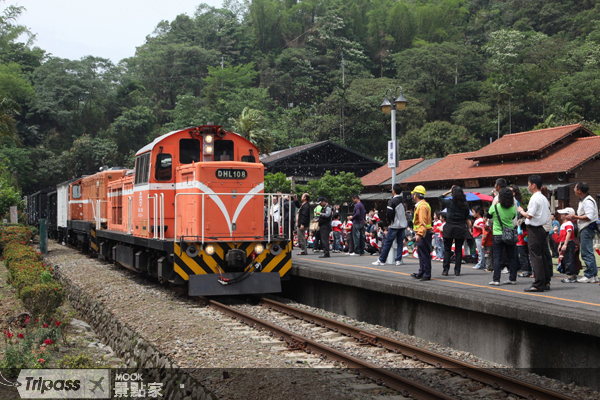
107 28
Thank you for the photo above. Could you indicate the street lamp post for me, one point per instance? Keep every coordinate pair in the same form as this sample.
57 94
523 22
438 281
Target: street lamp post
396 101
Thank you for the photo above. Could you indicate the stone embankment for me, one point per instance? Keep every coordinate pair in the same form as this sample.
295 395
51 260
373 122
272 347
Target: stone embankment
152 328
134 352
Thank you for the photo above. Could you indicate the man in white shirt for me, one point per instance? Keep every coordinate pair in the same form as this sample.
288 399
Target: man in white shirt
275 215
538 213
587 214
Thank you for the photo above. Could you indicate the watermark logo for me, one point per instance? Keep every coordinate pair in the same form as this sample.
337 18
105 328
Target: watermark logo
132 386
64 384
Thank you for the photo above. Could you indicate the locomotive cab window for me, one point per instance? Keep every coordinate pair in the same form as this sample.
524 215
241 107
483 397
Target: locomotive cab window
189 151
224 150
163 167
76 191
142 165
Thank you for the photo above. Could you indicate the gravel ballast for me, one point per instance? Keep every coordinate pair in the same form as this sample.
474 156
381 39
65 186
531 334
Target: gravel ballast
236 362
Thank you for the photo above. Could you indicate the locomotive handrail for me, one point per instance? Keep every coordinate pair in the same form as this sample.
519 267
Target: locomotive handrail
98 213
94 213
154 212
162 216
271 195
129 215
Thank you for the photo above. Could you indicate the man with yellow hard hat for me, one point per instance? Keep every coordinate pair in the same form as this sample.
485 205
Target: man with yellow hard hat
424 233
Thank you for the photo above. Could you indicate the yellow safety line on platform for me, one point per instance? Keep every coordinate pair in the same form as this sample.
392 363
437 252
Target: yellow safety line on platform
465 283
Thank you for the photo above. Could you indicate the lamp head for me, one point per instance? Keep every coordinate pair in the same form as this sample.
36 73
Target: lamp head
386 106
401 101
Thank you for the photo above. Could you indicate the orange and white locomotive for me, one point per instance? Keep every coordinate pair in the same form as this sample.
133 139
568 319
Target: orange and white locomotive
193 210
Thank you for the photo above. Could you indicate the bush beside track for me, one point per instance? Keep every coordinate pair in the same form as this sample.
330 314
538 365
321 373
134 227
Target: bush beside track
36 288
29 338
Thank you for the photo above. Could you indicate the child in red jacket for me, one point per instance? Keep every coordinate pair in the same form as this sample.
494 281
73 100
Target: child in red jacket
487 243
566 247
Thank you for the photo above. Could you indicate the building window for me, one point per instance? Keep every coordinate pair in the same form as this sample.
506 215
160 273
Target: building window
189 151
164 164
142 165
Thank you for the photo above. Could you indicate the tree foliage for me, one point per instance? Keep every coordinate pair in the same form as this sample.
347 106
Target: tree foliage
277 183
337 189
284 73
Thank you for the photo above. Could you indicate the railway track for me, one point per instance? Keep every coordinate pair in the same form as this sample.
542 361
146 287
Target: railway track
384 377
493 379
397 382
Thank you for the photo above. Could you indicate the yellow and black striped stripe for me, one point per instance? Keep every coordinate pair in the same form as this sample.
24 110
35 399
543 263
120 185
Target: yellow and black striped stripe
202 263
94 240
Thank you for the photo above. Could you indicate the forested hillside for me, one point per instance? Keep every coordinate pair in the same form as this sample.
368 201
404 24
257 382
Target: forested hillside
287 72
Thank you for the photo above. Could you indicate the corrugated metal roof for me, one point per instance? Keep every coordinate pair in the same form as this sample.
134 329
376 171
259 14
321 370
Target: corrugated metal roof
412 170
281 154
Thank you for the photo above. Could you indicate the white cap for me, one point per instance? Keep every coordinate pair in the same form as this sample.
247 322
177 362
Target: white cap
567 210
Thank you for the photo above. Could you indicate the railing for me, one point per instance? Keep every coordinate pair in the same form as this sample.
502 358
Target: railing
97 211
270 212
158 211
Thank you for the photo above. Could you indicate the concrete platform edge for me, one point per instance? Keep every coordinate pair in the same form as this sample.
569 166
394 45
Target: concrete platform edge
565 318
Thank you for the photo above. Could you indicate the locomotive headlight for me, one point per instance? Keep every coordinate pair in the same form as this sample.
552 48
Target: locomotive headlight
259 248
208 138
208 149
275 249
209 249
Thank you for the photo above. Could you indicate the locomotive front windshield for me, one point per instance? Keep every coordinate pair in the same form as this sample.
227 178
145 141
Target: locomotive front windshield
189 151
224 150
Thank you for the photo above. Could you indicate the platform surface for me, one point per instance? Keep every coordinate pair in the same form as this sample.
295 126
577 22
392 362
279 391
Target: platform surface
570 306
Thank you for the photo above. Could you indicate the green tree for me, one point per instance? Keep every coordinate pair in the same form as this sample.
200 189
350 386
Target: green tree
476 117
10 31
442 76
20 163
8 125
231 77
13 83
250 125
436 139
9 195
277 183
73 97
88 154
131 130
337 189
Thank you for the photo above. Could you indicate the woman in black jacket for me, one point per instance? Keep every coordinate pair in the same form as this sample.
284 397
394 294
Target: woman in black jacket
456 228
303 223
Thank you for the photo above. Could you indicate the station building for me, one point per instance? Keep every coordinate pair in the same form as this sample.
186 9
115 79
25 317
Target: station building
563 156
310 161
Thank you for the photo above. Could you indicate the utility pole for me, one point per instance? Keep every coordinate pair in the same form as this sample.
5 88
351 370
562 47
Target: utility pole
342 128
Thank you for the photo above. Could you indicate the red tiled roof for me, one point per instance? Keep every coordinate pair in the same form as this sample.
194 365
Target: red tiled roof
384 173
536 141
457 167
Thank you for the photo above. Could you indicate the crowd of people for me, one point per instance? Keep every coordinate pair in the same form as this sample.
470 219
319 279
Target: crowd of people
503 238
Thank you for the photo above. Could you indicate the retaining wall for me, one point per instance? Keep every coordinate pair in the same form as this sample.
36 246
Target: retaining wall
137 353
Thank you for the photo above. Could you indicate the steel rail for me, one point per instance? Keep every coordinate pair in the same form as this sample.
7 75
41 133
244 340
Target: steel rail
493 379
382 377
